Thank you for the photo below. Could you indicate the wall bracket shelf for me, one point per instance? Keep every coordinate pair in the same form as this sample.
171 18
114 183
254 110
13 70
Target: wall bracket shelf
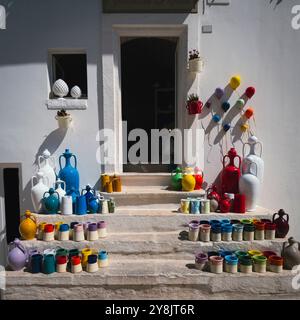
67 104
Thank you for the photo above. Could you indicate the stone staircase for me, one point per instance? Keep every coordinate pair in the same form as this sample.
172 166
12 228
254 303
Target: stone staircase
150 256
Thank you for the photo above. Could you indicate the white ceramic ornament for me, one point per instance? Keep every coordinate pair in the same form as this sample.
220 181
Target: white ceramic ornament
60 88
76 92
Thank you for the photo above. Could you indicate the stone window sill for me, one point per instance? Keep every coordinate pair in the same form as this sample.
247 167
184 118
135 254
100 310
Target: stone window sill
67 104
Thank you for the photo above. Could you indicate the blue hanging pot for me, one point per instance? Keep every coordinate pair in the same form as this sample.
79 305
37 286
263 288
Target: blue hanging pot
51 202
69 174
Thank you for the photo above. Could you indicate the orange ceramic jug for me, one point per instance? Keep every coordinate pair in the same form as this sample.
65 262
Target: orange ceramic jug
117 184
105 178
28 226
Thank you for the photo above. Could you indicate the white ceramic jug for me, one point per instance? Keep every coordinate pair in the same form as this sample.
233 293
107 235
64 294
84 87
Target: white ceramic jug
47 167
249 185
66 206
38 190
253 157
61 191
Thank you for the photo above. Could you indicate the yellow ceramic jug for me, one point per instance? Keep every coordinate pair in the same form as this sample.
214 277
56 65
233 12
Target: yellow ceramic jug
105 178
188 180
28 226
84 256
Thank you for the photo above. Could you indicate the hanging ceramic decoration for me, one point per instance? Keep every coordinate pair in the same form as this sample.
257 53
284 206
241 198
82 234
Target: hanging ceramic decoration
225 106
38 190
76 92
231 173
60 88
240 103
46 164
249 185
250 92
235 82
219 93
69 174
253 157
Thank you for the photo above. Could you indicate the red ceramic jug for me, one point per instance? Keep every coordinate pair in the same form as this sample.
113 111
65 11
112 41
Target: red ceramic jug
231 174
282 223
199 178
212 193
225 204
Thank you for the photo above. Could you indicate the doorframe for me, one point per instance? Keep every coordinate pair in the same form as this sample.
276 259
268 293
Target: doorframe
3 241
112 95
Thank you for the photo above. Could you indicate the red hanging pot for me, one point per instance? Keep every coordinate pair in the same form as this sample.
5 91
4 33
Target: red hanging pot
194 107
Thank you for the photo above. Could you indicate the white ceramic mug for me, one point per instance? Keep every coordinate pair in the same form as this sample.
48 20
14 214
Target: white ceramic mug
66 205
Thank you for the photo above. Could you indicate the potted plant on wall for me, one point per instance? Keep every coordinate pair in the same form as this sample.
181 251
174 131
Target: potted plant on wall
194 105
64 119
195 61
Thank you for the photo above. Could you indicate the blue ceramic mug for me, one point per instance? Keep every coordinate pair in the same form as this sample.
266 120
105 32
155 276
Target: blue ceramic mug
81 207
49 263
36 263
195 206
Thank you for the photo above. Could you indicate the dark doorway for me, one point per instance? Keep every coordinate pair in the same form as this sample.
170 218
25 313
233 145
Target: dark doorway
12 202
148 91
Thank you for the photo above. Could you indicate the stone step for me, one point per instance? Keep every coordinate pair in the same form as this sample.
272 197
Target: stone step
149 195
149 279
156 243
132 179
132 219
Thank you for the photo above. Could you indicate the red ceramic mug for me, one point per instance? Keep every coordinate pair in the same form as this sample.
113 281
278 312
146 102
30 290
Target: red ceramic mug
239 203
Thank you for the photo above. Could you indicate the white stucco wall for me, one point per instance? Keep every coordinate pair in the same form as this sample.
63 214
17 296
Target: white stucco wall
249 37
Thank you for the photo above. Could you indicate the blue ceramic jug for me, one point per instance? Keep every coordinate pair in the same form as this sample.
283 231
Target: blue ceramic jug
51 202
88 192
93 205
69 174
81 207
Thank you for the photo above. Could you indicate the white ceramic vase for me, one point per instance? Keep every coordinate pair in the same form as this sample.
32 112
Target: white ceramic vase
196 65
60 88
61 191
249 185
253 157
46 164
66 207
38 190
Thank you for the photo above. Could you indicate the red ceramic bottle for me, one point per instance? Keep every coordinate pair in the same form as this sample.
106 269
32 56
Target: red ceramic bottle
231 174
282 223
199 178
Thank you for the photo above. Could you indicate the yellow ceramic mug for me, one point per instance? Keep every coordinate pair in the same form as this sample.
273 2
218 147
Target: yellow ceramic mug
185 206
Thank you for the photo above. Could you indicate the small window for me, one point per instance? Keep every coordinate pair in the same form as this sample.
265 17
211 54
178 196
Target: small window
72 68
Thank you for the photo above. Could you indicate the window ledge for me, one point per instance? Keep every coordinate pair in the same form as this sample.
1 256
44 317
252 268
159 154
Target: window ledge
67 104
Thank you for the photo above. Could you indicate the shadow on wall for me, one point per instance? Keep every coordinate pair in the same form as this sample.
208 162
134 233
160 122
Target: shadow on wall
52 143
276 3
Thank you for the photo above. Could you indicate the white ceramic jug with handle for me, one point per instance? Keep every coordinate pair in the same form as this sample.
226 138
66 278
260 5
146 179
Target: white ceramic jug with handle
249 185
38 190
253 157
46 164
61 191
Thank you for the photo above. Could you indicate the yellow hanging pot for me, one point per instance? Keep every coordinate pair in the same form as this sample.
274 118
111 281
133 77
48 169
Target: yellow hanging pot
28 226
188 180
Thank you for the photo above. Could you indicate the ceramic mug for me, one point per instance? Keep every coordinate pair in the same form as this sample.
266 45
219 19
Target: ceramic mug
36 263
66 206
185 206
195 206
81 207
104 206
49 263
